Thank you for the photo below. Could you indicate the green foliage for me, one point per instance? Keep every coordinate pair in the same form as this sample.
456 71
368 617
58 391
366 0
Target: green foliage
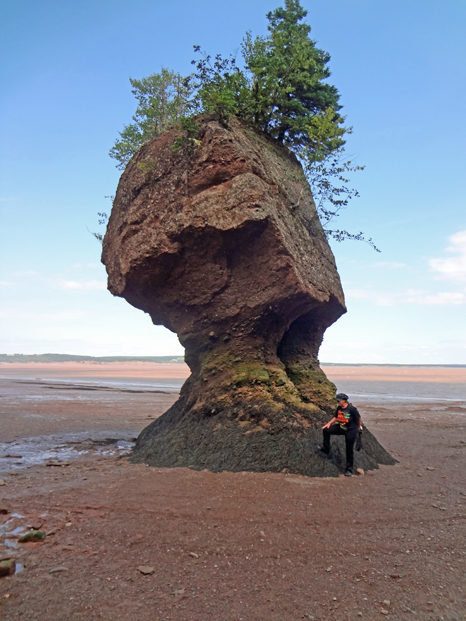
186 144
162 100
219 86
103 219
281 89
189 141
329 186
291 101
147 166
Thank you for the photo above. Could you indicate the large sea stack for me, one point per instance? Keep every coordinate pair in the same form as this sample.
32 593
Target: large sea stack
217 238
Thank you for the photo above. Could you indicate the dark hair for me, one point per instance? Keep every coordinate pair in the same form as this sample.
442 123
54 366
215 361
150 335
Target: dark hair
342 397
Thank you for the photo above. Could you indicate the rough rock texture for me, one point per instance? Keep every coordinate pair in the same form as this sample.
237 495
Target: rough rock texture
220 242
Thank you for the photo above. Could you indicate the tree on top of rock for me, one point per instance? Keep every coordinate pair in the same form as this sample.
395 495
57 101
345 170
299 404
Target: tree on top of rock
162 99
290 100
281 89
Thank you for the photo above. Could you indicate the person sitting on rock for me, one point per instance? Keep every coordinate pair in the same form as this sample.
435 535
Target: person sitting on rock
346 422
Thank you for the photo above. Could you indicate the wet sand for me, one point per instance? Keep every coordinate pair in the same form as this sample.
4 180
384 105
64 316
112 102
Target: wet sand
450 375
94 369
454 375
229 546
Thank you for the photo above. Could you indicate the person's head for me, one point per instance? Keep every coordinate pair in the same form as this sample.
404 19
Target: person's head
342 399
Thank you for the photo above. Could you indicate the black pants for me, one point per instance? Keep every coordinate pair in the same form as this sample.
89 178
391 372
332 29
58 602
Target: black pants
350 437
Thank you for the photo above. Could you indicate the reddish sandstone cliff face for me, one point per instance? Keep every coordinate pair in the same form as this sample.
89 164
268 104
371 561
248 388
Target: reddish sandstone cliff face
220 242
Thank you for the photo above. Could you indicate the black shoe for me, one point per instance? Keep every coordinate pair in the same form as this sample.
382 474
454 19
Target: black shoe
348 473
320 451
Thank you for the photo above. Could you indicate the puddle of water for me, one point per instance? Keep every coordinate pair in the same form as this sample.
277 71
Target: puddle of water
17 515
19 567
5 531
17 532
42 449
10 543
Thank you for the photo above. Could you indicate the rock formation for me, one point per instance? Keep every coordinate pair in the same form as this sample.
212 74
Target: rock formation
217 238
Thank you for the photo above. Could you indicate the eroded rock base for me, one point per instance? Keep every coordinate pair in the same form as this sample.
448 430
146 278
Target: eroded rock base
238 439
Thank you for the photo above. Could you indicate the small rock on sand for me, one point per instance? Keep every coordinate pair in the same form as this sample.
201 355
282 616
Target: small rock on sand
33 535
2 482
360 471
146 570
3 510
57 570
35 526
8 567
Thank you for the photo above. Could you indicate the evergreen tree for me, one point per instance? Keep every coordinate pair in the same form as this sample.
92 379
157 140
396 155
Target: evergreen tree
290 99
282 89
162 100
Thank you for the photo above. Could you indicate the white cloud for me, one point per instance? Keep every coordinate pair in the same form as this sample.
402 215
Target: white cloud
61 282
82 285
443 298
6 283
411 296
380 299
452 268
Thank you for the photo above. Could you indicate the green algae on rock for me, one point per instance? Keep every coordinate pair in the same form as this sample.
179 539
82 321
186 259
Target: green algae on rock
33 535
7 567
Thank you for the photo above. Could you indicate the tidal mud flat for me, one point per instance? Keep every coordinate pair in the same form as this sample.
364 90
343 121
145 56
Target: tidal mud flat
228 546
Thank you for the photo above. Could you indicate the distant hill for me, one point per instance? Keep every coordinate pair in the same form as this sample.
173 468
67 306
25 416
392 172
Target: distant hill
176 359
70 358
387 364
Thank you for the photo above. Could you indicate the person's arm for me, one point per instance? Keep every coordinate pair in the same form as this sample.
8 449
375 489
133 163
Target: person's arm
334 420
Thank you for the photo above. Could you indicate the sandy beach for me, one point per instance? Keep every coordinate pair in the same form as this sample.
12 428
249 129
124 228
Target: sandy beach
229 546
455 375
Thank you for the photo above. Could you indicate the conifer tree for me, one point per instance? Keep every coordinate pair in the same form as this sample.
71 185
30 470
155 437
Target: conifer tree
281 88
290 99
162 100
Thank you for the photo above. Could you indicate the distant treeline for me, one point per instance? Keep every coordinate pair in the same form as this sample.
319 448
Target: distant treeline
178 359
70 358
378 364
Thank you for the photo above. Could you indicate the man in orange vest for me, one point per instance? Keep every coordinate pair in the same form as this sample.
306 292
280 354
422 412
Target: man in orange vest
346 422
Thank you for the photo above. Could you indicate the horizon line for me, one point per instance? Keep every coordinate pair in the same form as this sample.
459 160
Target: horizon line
8 358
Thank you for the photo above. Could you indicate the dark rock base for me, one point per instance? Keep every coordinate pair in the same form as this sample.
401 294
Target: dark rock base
237 442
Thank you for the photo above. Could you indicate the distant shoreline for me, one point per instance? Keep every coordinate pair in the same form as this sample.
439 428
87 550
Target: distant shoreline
46 358
63 358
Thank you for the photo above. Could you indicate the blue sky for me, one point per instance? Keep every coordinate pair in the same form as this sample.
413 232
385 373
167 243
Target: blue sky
399 67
